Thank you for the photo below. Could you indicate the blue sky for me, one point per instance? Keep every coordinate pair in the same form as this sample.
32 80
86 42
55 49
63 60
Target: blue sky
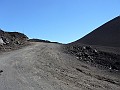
56 20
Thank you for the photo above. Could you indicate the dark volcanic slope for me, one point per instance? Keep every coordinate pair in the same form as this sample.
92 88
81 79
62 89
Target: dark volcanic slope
106 35
99 47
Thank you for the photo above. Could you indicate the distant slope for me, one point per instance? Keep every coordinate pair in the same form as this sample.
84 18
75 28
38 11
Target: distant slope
41 40
106 35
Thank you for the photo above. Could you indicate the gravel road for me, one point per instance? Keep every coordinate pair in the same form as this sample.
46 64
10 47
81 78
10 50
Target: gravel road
43 66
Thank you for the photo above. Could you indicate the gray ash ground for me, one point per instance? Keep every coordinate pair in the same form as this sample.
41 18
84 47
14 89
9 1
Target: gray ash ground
94 57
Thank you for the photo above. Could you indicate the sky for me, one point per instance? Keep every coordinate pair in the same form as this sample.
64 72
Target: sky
61 21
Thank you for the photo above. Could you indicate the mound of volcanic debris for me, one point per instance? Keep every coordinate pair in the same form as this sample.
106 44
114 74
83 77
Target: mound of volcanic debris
12 40
94 57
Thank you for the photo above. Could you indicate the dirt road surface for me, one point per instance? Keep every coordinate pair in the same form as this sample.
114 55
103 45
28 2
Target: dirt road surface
43 66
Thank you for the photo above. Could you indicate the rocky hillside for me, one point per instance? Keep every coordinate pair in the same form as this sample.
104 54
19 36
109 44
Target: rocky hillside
12 40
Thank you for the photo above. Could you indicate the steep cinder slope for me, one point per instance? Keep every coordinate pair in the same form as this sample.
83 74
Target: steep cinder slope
106 35
100 47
